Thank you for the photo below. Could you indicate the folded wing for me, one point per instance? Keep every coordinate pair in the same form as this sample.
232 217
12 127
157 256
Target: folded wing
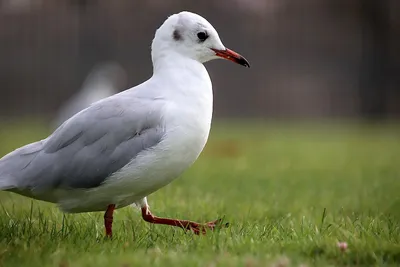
87 148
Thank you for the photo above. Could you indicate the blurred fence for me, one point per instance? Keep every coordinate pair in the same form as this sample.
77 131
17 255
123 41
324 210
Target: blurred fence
310 58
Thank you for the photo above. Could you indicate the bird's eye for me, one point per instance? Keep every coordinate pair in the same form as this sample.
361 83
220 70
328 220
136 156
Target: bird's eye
202 36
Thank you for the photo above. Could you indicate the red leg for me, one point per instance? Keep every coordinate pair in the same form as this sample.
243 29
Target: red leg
197 228
108 219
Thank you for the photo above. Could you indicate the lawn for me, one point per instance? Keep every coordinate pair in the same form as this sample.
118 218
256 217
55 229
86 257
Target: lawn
290 192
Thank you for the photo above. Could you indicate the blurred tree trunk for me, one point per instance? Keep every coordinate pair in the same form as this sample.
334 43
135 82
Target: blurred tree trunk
375 58
94 46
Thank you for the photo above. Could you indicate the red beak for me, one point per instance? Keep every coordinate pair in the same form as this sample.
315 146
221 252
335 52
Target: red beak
232 56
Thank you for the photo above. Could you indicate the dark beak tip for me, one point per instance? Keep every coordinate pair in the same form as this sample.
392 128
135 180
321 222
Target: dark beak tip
244 62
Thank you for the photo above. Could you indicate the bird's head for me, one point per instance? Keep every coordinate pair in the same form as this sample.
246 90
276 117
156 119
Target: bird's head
192 36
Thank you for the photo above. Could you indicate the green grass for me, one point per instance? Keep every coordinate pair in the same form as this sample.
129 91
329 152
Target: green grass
290 193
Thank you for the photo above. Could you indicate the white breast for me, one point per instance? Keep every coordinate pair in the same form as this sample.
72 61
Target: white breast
187 126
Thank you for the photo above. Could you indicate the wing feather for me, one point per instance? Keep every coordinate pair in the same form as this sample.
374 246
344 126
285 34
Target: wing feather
87 148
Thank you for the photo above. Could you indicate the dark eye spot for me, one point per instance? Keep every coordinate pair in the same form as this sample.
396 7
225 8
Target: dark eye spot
177 35
202 36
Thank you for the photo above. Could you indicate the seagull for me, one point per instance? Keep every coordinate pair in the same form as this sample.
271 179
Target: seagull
124 147
103 81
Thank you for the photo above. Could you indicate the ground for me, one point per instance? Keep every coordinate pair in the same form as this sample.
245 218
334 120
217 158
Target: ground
290 192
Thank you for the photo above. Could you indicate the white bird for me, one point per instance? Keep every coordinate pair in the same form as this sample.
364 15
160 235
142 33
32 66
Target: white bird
127 146
104 80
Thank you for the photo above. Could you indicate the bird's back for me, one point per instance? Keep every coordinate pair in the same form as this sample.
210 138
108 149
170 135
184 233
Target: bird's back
84 151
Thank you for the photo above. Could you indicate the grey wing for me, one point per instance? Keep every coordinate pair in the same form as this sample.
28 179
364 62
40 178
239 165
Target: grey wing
87 148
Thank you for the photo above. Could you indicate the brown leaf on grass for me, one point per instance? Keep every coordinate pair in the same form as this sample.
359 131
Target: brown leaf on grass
223 149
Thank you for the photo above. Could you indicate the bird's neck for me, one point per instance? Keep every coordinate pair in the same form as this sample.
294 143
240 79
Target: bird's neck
169 60
184 80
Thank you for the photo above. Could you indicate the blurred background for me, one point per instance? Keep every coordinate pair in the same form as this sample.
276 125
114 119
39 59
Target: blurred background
310 58
304 150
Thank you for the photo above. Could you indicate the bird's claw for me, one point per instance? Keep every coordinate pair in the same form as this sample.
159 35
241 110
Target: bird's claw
198 229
